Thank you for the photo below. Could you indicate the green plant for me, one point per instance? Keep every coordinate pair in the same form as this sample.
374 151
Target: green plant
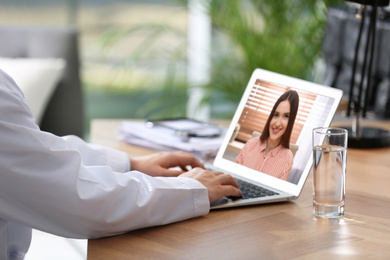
281 36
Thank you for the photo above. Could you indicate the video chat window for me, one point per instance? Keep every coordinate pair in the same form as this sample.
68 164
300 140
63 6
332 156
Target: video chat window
312 111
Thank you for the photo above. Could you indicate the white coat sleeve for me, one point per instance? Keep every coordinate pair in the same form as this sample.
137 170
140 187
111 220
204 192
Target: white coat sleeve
66 187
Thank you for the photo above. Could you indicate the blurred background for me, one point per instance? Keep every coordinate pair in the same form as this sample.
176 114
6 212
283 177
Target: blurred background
136 59
149 58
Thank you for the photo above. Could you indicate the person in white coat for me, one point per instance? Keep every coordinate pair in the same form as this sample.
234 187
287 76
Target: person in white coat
67 187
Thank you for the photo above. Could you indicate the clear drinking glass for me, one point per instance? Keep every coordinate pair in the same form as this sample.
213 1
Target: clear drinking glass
329 167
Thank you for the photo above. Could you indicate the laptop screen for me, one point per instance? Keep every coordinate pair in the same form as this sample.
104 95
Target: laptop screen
263 151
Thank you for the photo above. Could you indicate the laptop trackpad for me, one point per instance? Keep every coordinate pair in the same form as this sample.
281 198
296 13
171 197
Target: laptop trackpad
219 202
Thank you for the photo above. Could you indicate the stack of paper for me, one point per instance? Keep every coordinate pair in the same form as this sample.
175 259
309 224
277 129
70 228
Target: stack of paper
164 139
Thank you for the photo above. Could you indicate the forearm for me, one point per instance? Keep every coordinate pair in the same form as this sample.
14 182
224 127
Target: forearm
94 155
49 187
97 202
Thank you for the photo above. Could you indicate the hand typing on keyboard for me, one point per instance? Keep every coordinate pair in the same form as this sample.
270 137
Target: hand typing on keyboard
217 183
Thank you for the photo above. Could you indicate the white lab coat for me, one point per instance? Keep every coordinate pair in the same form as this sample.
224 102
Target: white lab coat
69 188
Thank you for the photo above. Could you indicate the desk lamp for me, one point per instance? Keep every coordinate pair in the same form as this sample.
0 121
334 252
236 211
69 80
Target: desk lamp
365 137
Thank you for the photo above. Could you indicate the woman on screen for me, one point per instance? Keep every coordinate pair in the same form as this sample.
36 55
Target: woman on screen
271 152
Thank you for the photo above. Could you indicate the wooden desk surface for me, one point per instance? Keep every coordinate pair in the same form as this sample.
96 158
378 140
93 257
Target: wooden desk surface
272 231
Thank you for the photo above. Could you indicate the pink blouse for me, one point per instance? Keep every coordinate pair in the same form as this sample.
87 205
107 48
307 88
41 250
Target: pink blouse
277 162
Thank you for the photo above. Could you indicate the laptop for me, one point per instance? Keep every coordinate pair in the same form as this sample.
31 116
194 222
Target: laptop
317 107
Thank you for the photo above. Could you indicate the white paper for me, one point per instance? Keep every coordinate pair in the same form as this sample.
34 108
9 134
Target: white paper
164 139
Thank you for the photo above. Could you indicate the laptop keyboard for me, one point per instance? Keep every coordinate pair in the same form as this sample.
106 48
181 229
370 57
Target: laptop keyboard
250 191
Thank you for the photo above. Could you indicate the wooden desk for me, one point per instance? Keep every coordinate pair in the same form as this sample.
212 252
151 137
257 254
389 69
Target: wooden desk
273 231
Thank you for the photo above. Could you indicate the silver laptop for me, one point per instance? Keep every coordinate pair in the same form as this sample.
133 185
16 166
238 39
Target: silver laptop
317 106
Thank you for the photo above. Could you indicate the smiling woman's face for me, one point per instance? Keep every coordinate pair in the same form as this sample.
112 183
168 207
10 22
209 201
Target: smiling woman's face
279 122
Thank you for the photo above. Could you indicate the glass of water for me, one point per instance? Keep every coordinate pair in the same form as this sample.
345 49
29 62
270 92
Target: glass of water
329 167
